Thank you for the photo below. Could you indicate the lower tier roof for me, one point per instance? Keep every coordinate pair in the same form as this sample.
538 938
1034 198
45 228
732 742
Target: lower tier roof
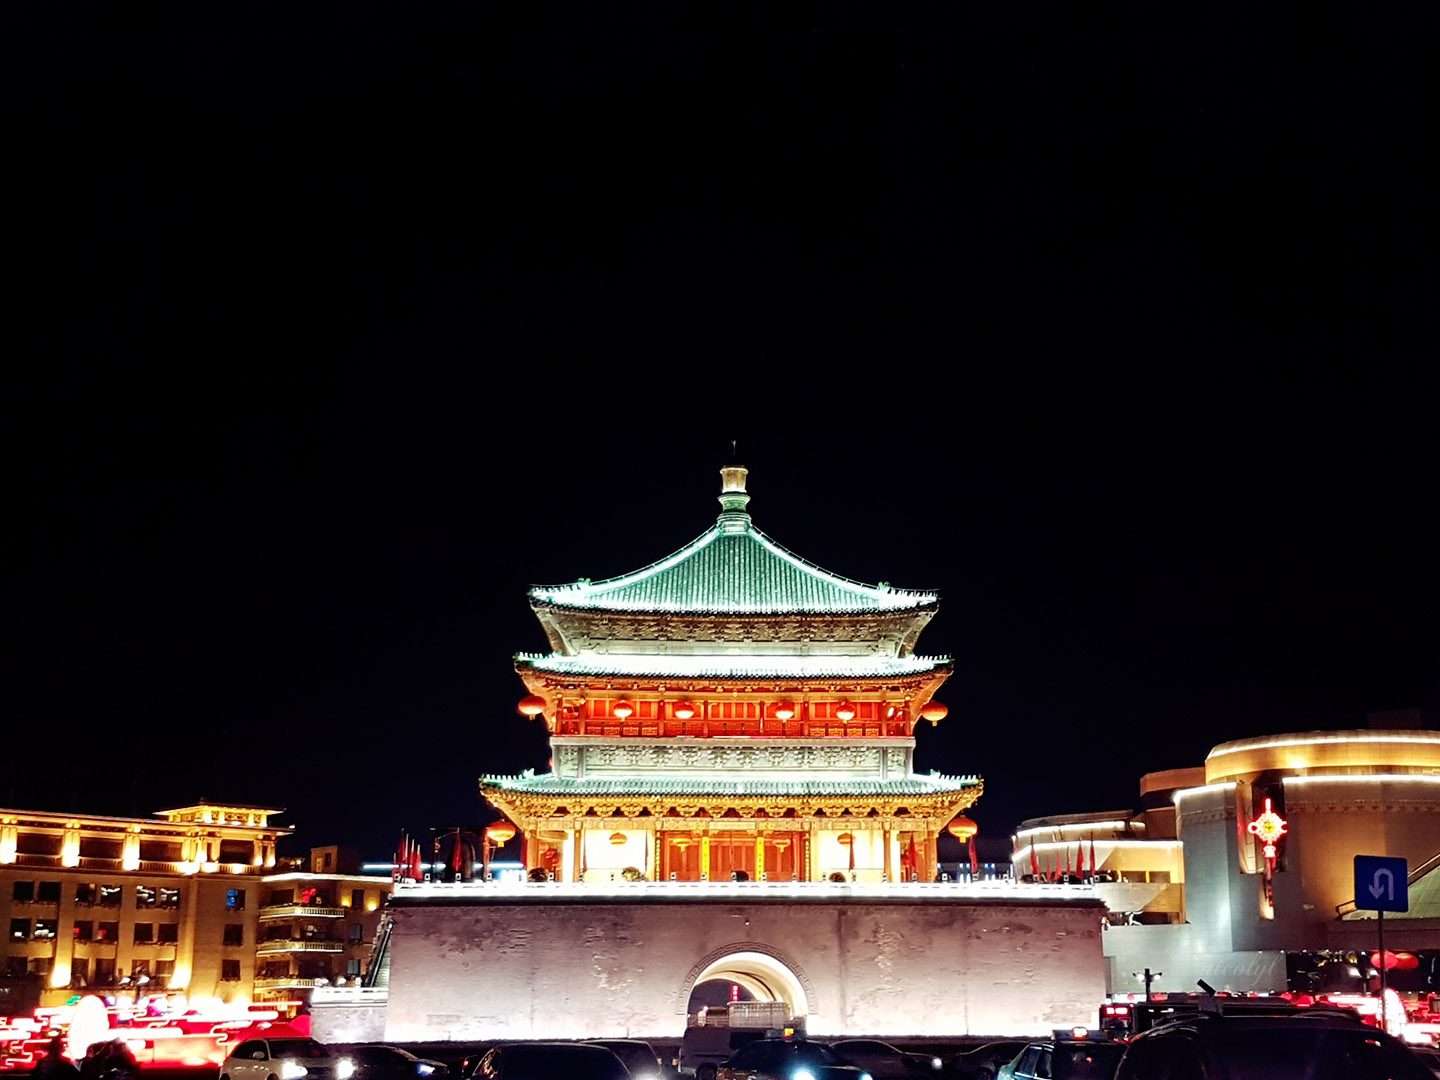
731 667
548 784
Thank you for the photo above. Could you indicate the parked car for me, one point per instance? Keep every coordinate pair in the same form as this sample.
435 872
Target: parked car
704 1049
376 1061
1062 1058
1429 1057
637 1054
1309 1045
886 1062
788 1059
983 1062
549 1061
109 1059
286 1059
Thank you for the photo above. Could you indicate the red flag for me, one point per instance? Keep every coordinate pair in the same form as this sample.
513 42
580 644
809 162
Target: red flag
415 872
1067 861
1080 859
457 858
974 859
1094 866
1035 863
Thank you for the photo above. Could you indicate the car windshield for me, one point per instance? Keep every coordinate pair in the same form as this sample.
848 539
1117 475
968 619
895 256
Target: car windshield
558 1062
381 1054
1307 1053
864 1046
298 1048
808 1052
1085 1061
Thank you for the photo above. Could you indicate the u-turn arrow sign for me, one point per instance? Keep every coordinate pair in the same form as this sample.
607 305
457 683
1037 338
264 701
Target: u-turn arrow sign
1381 883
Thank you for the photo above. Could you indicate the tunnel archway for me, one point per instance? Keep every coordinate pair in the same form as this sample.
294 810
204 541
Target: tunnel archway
764 973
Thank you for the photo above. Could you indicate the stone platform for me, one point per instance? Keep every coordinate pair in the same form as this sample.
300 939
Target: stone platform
472 962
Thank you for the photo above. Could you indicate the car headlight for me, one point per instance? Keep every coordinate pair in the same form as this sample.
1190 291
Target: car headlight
344 1069
936 1063
290 1070
424 1068
866 1076
802 1074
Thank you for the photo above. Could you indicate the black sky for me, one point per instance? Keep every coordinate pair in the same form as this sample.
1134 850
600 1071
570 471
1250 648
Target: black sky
331 332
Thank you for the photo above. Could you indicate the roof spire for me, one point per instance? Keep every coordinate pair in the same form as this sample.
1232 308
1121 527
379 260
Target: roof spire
733 497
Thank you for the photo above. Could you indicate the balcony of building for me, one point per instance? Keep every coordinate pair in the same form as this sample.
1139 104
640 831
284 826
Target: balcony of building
301 911
277 946
283 982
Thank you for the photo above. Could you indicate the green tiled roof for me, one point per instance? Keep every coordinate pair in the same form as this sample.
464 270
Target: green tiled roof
549 784
733 568
731 667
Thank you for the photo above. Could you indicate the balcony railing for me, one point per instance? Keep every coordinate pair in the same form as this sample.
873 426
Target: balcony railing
282 982
285 945
301 911
146 866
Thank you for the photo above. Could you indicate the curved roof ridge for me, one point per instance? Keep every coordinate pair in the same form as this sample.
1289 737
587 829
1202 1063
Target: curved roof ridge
677 556
923 596
733 581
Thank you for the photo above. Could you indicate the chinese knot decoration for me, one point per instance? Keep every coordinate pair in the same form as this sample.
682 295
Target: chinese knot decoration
1269 827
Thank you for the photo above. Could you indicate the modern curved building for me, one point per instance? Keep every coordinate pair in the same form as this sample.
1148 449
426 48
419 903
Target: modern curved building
1231 871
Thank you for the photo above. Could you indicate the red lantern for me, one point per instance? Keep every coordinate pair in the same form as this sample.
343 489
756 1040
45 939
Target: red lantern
962 828
934 712
1396 961
618 839
684 710
1390 959
845 711
785 710
532 705
623 709
845 839
500 833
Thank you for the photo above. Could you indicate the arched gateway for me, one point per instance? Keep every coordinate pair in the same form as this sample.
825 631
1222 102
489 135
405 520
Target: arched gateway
732 734
765 973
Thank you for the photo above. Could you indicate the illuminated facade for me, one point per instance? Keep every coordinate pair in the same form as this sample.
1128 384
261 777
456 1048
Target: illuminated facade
732 799
111 903
316 926
1251 857
732 711
191 900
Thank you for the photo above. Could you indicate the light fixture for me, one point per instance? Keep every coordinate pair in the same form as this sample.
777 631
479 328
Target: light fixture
623 709
618 839
962 828
845 711
934 712
531 706
684 710
785 710
500 833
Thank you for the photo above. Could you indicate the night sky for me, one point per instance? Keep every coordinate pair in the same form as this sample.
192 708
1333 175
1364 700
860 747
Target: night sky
331 332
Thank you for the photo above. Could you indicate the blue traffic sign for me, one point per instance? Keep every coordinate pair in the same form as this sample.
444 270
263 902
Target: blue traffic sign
1381 883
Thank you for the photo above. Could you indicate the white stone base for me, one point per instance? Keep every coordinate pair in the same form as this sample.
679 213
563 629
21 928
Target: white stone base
522 963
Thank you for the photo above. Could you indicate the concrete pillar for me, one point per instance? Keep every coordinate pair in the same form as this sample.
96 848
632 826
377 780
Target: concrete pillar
130 852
